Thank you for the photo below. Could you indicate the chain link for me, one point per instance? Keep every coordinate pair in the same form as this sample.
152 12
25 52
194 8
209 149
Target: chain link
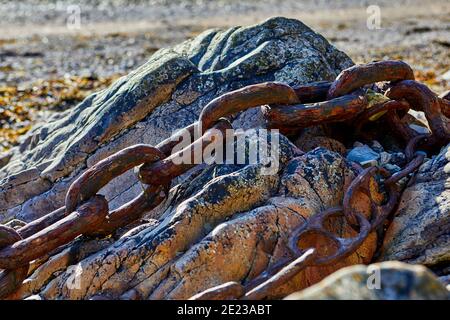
284 107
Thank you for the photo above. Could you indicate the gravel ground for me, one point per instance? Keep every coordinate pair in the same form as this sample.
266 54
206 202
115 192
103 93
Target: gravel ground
48 64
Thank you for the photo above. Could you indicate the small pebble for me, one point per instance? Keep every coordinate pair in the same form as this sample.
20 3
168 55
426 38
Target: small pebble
385 158
419 129
364 155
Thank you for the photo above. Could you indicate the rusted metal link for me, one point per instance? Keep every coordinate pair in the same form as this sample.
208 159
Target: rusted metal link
10 279
42 222
243 99
421 98
400 128
165 170
148 199
268 273
389 109
312 92
359 184
226 291
380 109
411 167
166 146
378 212
343 246
359 75
129 212
281 277
86 213
97 176
87 218
415 142
381 213
306 115
445 105
234 290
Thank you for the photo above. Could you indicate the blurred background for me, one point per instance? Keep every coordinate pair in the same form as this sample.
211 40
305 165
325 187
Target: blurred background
55 53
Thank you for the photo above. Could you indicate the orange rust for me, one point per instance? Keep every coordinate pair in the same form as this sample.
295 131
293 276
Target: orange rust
359 75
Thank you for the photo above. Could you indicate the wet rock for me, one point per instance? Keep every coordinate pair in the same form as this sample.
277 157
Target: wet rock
420 231
384 281
164 94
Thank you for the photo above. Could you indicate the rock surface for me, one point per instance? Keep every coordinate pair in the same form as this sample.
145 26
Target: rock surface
164 94
420 231
397 281
227 223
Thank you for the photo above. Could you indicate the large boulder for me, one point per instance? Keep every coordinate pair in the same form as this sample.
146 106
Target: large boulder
420 231
226 223
391 280
147 105
222 222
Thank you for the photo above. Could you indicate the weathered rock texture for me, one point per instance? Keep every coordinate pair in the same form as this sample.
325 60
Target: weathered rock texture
164 94
420 232
397 281
222 222
227 223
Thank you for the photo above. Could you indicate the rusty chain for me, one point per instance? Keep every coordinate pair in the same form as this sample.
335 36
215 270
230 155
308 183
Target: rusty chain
284 107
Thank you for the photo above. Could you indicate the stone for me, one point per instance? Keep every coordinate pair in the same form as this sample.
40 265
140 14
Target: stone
377 147
146 106
420 231
227 223
396 281
363 155
311 142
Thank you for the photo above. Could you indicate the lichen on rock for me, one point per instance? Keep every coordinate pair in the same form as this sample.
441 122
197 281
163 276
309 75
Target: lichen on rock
146 106
229 229
420 231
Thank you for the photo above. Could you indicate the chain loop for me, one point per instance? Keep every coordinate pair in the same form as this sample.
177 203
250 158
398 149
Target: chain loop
357 76
243 99
96 177
10 278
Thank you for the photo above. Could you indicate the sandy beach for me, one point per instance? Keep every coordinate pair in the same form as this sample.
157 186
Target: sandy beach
55 53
